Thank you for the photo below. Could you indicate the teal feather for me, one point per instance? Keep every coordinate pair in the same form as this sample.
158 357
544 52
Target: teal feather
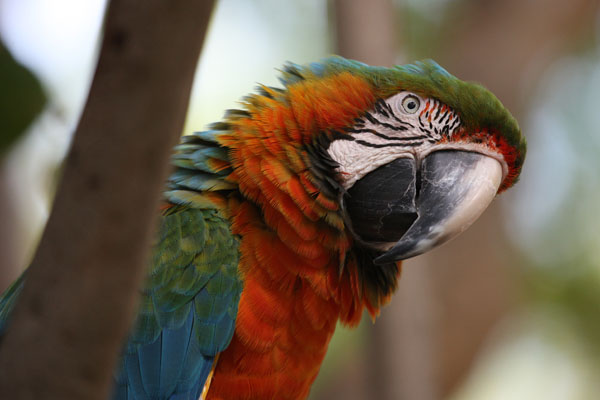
210 136
186 198
200 160
8 301
198 181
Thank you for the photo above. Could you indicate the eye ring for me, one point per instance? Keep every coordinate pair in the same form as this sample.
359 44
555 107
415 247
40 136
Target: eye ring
410 104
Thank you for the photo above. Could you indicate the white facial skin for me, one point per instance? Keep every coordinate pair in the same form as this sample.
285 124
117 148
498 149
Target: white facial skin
407 125
404 125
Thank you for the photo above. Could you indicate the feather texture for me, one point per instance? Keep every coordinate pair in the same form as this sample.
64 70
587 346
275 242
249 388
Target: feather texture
187 311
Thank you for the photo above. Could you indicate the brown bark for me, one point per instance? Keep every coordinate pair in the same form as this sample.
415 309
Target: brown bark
82 285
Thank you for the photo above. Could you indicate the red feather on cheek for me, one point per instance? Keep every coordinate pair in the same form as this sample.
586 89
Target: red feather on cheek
497 143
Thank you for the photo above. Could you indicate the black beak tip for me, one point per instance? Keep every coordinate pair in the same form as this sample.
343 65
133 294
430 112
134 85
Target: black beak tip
399 254
396 253
383 259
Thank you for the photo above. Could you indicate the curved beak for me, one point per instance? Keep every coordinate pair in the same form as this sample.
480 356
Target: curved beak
456 186
406 211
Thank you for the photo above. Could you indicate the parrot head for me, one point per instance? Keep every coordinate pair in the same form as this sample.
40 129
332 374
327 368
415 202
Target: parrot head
424 161
412 154
374 164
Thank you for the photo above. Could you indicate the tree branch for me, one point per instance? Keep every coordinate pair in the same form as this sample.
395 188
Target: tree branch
81 290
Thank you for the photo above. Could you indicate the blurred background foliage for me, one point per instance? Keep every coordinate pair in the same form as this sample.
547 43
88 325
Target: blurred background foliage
21 98
510 310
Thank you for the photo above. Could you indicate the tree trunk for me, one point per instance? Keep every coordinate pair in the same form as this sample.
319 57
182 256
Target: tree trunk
81 289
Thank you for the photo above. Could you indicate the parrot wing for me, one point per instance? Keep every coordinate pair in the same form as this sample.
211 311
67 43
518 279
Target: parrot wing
187 311
189 303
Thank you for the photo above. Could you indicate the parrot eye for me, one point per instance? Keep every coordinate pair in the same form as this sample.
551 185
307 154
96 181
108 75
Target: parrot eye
410 104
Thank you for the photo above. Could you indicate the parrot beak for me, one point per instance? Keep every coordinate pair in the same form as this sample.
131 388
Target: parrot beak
412 210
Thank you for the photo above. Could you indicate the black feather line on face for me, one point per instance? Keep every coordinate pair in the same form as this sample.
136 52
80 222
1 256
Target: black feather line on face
379 280
322 167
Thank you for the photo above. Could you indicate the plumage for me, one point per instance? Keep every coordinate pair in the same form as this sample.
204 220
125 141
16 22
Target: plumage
256 260
188 308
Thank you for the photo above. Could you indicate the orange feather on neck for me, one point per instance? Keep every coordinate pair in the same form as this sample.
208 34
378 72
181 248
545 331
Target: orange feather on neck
297 281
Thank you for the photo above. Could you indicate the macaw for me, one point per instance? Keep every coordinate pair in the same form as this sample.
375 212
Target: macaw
295 212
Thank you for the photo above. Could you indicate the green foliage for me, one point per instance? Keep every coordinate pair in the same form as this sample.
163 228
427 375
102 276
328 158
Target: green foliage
22 98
